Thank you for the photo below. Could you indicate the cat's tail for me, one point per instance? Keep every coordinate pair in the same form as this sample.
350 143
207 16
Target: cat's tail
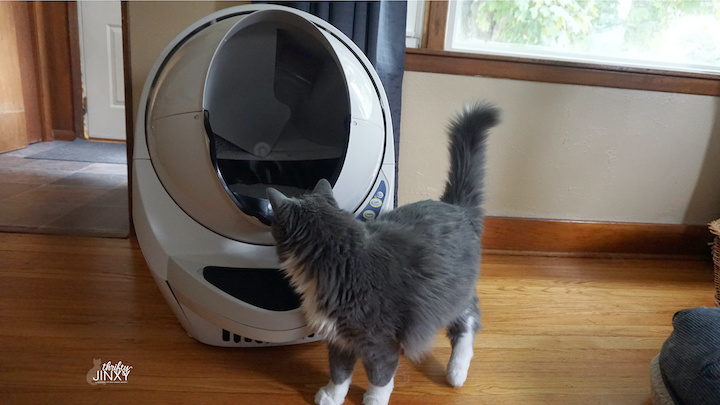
468 132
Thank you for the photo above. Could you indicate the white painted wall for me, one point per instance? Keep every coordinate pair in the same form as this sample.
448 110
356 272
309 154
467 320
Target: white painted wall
571 152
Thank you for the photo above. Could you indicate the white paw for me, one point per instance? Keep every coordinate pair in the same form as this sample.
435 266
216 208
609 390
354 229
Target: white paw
371 400
456 375
375 399
457 370
324 398
332 394
378 395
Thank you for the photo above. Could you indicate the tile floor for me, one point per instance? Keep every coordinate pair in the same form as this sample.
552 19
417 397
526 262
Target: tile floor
62 197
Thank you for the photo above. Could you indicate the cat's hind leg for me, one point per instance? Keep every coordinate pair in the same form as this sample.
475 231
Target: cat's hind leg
380 367
342 364
462 334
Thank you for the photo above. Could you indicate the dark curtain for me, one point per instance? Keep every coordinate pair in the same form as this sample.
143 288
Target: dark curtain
378 29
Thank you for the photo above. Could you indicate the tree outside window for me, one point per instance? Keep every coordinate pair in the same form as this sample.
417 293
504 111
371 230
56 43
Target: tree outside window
681 34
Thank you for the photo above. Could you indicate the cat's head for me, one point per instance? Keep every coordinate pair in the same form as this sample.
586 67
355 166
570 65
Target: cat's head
301 218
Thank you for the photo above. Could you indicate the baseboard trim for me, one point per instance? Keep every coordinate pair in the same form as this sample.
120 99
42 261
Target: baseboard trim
550 236
63 135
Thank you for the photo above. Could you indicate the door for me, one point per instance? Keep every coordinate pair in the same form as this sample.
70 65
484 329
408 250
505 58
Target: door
102 62
13 132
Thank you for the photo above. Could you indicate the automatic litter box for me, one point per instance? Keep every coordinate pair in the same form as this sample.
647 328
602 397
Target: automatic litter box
246 98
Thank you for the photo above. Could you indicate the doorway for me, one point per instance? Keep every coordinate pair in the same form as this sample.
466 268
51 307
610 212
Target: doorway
59 178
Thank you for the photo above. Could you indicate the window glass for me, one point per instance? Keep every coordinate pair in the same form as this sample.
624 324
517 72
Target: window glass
673 35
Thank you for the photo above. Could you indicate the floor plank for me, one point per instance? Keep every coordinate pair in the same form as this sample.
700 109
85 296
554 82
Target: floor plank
557 330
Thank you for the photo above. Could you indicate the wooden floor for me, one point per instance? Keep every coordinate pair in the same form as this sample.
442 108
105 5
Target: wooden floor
556 331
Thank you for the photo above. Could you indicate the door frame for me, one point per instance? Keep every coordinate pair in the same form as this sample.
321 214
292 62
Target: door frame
129 113
49 50
50 63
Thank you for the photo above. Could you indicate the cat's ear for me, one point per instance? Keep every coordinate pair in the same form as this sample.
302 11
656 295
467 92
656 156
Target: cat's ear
276 198
324 188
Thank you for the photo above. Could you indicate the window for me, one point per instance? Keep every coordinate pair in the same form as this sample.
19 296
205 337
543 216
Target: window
414 23
657 45
676 35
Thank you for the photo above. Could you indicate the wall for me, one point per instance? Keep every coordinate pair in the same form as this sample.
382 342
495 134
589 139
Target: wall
561 152
571 152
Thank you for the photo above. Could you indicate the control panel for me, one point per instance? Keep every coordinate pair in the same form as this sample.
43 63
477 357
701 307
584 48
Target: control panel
372 208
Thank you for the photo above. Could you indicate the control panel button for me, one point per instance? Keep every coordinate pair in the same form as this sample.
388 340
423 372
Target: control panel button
374 206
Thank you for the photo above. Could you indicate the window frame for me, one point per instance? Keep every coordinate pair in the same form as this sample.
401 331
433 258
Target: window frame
432 57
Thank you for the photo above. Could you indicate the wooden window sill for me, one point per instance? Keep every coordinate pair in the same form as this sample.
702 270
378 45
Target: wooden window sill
470 64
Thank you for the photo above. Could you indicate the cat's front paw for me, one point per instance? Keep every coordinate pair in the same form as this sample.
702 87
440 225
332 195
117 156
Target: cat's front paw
378 395
372 400
323 397
456 375
332 394
457 369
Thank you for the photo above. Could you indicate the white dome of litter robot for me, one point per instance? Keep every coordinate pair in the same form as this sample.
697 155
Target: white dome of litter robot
247 98
255 89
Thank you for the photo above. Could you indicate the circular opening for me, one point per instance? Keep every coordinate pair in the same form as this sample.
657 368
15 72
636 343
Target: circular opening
277 110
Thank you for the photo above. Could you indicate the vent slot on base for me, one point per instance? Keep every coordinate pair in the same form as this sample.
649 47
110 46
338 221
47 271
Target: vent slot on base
263 288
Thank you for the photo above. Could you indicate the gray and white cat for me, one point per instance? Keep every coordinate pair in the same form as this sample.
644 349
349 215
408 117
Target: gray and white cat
378 288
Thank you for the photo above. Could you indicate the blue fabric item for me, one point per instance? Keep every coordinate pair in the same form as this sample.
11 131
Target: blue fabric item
378 29
690 358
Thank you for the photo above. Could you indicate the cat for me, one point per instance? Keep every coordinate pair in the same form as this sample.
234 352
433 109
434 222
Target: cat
384 287
93 373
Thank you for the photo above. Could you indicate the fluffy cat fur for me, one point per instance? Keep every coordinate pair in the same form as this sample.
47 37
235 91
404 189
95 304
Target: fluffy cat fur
378 288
